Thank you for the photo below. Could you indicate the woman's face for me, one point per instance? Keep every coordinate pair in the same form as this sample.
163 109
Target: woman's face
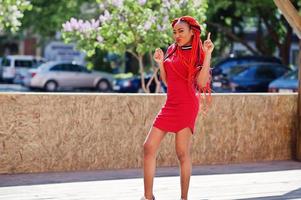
182 33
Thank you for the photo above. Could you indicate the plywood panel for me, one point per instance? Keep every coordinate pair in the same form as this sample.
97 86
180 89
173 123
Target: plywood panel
66 132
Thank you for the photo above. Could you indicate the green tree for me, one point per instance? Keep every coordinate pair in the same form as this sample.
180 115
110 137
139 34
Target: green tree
46 17
11 11
230 18
137 27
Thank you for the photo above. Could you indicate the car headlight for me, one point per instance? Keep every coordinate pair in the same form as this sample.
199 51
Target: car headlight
126 83
233 86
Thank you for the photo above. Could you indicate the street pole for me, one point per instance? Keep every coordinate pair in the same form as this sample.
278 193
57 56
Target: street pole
298 142
294 19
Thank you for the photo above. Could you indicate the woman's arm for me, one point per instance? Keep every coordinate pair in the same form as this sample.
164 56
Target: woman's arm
162 73
204 75
159 58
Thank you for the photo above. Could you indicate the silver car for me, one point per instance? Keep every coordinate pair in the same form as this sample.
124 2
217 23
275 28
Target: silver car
57 75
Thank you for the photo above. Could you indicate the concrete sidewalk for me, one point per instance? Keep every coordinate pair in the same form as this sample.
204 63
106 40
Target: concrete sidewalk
265 180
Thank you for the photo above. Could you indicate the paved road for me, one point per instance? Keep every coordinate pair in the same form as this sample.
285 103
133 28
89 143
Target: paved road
254 181
12 88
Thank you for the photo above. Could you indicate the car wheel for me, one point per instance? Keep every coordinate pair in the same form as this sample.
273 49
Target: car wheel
51 86
103 86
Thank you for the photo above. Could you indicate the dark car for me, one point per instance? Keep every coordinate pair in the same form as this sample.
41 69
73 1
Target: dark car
126 85
220 83
224 65
286 83
256 77
133 84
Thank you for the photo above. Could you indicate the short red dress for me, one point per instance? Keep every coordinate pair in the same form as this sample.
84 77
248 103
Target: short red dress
182 104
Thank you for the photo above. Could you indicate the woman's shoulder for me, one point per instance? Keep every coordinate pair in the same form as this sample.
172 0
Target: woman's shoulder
171 47
170 50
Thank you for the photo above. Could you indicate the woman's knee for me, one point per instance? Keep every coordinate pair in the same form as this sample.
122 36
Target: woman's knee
183 155
149 149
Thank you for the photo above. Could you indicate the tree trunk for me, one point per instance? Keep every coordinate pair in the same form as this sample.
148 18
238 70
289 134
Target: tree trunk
141 70
285 47
294 19
298 149
154 76
139 57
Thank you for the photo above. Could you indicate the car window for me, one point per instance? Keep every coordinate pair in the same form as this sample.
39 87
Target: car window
292 75
280 71
59 67
24 63
236 70
83 69
74 68
5 62
227 65
249 72
37 63
265 72
69 67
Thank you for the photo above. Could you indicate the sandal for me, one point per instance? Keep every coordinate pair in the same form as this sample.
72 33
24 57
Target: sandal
143 198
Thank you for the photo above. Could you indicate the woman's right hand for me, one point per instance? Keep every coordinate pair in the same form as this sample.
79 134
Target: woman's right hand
159 56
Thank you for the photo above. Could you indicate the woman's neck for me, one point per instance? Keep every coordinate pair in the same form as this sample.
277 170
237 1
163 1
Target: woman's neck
185 47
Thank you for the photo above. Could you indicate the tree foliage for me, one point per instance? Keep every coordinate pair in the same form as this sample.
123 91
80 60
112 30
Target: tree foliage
233 19
11 11
137 27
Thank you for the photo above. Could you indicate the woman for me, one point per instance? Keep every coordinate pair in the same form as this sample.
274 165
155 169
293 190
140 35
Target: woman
186 72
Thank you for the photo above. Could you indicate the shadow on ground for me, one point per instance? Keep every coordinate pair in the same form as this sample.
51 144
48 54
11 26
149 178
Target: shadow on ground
295 194
98 175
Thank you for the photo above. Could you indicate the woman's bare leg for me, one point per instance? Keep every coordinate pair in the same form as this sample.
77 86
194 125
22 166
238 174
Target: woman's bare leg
150 147
183 144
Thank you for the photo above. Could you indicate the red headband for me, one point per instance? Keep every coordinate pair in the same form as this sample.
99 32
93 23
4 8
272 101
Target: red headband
193 23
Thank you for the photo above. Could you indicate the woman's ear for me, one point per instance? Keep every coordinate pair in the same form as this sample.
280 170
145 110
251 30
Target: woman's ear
192 33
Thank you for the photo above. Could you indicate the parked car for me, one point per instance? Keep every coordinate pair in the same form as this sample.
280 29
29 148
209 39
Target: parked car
223 66
57 75
133 84
13 67
126 84
220 83
256 77
286 83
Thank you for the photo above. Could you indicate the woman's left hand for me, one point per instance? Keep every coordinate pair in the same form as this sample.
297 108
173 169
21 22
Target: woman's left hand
208 45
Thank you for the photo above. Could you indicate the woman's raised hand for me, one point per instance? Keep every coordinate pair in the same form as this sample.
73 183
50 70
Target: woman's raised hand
158 55
208 45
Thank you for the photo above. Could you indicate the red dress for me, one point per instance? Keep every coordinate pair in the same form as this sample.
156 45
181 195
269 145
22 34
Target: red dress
182 104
